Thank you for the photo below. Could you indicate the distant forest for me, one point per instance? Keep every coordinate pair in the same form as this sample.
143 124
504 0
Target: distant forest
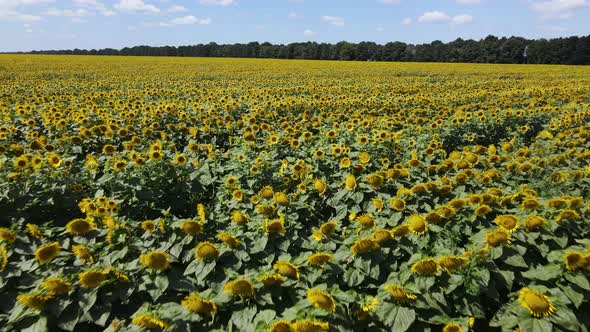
570 50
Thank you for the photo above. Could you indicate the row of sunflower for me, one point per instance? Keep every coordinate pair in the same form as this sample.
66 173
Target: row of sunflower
261 195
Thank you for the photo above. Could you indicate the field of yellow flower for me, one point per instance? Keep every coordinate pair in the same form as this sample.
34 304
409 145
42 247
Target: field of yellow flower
187 194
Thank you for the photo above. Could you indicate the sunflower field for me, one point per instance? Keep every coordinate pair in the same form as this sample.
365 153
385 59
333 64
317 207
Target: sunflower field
185 194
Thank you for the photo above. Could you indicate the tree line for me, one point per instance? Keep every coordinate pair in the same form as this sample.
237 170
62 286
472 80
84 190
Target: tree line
570 50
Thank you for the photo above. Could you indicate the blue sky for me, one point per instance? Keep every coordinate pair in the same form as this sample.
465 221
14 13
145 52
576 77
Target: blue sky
60 24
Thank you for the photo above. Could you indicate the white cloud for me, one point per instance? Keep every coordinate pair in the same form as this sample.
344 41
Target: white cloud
177 9
380 29
390 2
552 28
189 20
80 12
468 2
407 21
462 19
294 16
437 16
334 20
29 18
218 2
558 9
95 5
309 33
136 6
434 17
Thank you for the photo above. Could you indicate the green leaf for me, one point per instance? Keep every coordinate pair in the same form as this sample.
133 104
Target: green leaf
517 261
543 273
396 317
536 325
578 279
566 319
39 326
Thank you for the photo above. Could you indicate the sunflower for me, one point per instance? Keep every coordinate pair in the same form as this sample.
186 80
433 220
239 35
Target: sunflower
275 226
382 236
149 321
364 246
364 157
321 299
320 186
265 210
80 226
452 263
180 160
21 162
156 260
575 261
56 286
483 210
401 231
266 192
417 224
83 253
148 226
280 326
237 195
345 162
198 305
452 327
231 181
537 303
286 269
238 218
155 155
375 180
271 279
427 267
206 251
229 240
33 300
308 325
350 182
47 252
532 223
7 235
399 294
507 222
191 227
239 287
3 258
397 204
498 238
366 220
530 204
377 204
567 215
319 259
92 278
109 149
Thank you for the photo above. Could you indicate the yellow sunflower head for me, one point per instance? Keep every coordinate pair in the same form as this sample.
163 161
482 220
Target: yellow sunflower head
56 286
280 326
308 325
191 227
575 261
533 223
33 230
239 287
286 269
399 294
81 226
417 224
497 238
366 220
82 252
426 267
206 251
321 299
350 182
150 321
453 263
271 279
47 252
507 222
537 303
33 300
319 259
196 304
92 278
156 260
363 246
7 235
452 327
229 240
